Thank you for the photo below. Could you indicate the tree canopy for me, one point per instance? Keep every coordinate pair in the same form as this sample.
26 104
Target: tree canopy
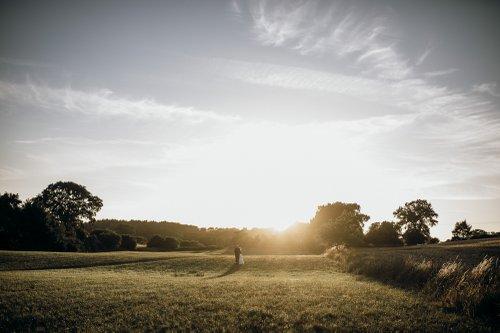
418 215
383 234
462 230
70 204
340 223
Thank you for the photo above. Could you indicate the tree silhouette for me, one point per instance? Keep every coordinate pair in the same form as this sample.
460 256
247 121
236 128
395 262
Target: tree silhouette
10 214
105 240
417 215
128 243
39 230
462 230
383 234
340 223
27 226
70 205
414 236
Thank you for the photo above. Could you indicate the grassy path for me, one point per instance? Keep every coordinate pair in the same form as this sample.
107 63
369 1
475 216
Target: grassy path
205 292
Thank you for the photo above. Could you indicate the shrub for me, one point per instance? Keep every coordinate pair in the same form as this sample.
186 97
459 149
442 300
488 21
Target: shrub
433 240
171 243
167 243
128 243
479 233
156 241
414 237
105 240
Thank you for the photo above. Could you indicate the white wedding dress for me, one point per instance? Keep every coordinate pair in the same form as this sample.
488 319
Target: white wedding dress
241 261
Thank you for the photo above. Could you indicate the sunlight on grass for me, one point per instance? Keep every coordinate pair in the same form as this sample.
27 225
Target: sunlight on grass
190 291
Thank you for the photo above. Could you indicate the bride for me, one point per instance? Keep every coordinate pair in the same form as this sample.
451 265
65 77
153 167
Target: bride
238 256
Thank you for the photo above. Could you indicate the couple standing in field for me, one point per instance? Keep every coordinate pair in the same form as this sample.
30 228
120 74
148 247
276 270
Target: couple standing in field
238 257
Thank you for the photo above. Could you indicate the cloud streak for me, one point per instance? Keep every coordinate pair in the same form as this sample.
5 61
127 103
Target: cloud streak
462 126
487 88
101 103
312 28
440 72
423 57
413 95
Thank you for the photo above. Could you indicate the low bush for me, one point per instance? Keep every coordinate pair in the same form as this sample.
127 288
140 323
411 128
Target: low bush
155 241
167 243
128 243
170 243
471 290
103 240
414 237
433 240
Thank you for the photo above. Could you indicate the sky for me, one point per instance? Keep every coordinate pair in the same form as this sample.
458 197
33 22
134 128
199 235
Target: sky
251 114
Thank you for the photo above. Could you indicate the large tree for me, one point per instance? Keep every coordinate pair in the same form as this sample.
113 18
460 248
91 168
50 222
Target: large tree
384 234
340 223
70 205
39 230
462 230
10 214
417 215
27 226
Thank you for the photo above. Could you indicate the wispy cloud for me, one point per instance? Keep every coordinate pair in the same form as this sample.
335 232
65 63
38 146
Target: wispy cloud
487 88
339 29
423 56
101 103
76 141
415 95
440 72
235 7
460 124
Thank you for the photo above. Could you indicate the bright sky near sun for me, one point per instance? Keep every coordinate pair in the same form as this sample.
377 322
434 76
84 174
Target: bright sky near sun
251 114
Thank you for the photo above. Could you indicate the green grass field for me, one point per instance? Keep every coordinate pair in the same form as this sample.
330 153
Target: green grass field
204 291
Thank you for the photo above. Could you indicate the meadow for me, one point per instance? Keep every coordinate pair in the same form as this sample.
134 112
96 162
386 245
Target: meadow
162 291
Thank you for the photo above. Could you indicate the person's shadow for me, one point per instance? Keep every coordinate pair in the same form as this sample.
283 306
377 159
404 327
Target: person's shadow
232 269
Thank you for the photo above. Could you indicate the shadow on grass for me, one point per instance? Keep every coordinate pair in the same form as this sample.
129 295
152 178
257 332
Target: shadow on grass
71 265
232 269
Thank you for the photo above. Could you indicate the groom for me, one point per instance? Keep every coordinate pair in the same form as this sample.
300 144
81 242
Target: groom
237 253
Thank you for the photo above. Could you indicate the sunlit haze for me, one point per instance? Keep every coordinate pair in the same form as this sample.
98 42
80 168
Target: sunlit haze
251 114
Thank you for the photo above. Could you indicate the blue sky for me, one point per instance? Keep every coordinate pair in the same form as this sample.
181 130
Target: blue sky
235 113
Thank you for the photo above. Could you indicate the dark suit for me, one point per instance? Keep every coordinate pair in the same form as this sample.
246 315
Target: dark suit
237 252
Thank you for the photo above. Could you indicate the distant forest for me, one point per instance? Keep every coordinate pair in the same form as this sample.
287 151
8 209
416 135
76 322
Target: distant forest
296 238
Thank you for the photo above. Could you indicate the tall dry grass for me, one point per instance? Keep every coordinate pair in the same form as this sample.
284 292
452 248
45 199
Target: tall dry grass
474 290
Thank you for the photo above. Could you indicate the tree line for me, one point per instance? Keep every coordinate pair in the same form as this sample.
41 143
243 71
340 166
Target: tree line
58 219
62 218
